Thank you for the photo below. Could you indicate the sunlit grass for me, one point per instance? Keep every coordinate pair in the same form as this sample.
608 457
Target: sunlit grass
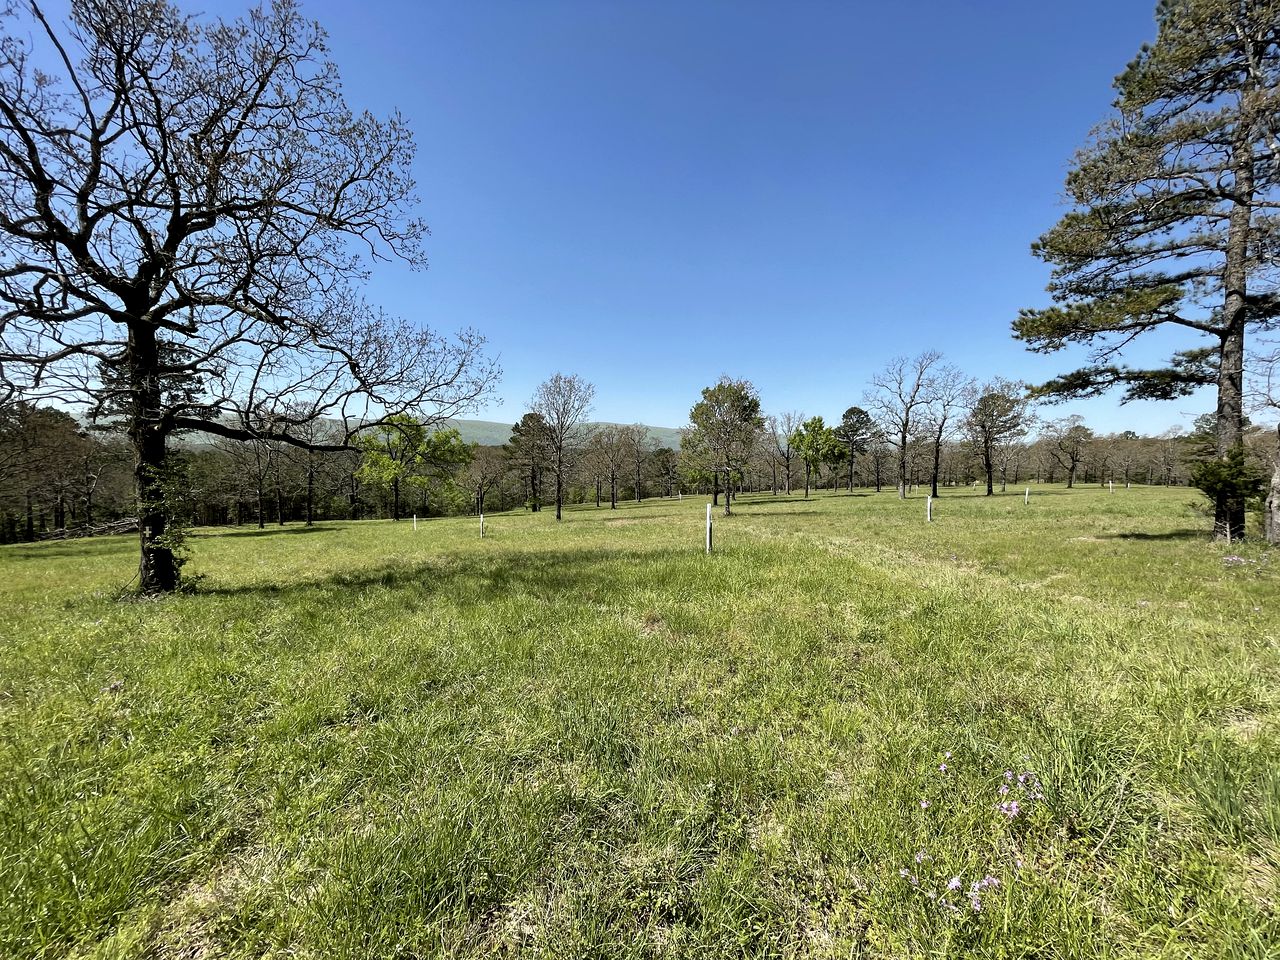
593 740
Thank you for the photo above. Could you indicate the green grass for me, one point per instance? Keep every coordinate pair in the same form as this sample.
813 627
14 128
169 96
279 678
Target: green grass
592 740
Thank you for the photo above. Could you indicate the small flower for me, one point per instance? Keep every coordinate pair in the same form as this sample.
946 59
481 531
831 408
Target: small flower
942 767
1008 774
976 903
1004 788
947 755
921 856
904 873
924 804
953 883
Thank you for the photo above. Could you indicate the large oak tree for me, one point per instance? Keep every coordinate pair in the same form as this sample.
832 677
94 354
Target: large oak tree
186 208
724 427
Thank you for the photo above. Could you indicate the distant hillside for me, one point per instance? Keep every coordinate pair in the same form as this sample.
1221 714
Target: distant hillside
491 434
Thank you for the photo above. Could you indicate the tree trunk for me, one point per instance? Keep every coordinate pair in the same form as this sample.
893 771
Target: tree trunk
1271 517
261 519
806 479
311 493
598 486
157 566
1229 514
395 498
937 461
989 466
715 488
728 488
613 491
559 483
902 466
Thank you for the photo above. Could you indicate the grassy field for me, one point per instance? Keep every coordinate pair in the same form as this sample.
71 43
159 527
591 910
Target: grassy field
1044 730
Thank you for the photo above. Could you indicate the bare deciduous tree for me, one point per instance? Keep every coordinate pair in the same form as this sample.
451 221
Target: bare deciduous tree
782 428
899 392
563 403
183 211
948 389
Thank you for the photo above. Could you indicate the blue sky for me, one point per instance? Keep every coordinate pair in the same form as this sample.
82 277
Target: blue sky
651 194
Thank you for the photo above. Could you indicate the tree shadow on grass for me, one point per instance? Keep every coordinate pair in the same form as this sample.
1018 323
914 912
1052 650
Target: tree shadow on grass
270 531
1185 534
607 576
81 547
766 515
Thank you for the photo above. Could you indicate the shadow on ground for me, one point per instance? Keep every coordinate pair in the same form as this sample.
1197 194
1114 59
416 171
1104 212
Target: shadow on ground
1185 534
594 575
269 531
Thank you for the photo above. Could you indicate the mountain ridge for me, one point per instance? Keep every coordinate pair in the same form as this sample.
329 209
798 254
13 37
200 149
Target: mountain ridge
493 433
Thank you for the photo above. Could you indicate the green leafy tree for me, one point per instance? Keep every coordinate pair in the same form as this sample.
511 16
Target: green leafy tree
856 431
1234 478
1173 218
998 417
817 444
401 452
725 424
529 450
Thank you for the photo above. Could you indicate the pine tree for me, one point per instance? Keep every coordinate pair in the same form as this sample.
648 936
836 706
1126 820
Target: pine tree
1174 222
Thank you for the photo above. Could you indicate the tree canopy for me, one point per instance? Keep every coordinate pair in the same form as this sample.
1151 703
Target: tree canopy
187 208
1175 200
725 424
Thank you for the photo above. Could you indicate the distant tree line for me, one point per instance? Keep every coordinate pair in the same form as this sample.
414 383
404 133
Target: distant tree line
921 426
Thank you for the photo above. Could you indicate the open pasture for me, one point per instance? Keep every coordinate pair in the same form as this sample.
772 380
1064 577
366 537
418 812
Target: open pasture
1022 730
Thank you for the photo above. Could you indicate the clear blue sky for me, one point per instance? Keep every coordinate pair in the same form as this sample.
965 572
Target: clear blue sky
652 193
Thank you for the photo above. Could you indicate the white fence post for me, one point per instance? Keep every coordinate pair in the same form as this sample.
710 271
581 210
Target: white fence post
708 528
482 526
928 509
1027 498
415 521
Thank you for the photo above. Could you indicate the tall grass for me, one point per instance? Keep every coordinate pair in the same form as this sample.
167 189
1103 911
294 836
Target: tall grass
592 740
